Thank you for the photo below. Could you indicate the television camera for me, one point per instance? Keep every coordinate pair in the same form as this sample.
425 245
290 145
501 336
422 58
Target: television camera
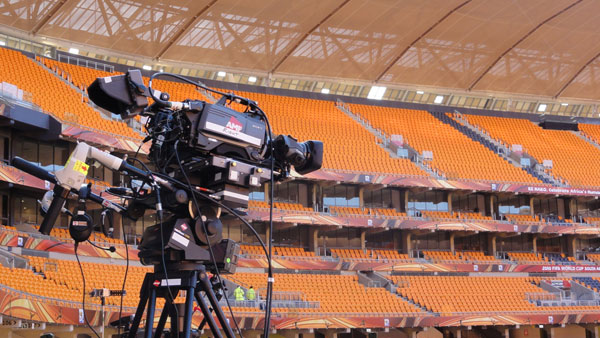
205 157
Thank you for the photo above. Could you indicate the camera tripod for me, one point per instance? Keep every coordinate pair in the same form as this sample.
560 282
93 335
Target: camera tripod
192 278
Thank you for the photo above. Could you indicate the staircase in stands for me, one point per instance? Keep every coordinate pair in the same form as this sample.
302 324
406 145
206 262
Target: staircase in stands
496 147
415 157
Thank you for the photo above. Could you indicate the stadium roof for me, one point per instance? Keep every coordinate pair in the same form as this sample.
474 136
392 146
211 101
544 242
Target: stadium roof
537 47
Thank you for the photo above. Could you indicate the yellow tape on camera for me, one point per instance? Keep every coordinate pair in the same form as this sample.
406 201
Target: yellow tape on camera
81 167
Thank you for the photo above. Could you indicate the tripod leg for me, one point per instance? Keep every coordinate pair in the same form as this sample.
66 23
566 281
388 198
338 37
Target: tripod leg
174 321
150 313
189 306
207 315
207 288
140 309
163 319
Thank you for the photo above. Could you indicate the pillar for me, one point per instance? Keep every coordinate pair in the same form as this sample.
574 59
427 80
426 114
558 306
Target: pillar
118 228
267 192
405 200
315 204
397 236
572 246
573 208
313 239
506 333
361 197
450 194
561 207
406 241
534 244
452 235
363 235
494 206
492 244
531 208
481 204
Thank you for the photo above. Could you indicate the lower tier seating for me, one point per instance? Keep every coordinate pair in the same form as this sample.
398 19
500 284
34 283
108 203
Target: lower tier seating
336 293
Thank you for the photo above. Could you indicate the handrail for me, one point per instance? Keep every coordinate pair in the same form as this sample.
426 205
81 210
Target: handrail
63 302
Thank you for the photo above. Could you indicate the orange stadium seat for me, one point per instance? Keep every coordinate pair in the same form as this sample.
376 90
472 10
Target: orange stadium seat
454 154
348 146
572 157
46 88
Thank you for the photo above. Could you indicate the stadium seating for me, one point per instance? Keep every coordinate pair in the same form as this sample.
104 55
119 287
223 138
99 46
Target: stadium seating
517 218
61 279
572 157
446 294
454 154
348 146
335 293
441 256
527 257
17 69
277 251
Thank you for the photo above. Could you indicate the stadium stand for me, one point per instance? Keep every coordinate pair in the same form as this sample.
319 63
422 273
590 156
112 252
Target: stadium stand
454 154
527 257
471 294
17 69
326 289
571 156
349 146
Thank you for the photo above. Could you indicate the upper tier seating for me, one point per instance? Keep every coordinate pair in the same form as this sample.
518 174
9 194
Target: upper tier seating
336 293
277 251
348 146
471 294
573 158
527 257
455 154
46 89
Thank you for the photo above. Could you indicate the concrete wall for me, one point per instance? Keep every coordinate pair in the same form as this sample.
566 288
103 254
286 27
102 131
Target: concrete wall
570 331
526 332
430 333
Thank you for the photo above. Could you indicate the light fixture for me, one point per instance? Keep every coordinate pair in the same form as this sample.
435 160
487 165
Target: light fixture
420 92
161 70
2 43
221 74
252 79
73 50
376 93
438 99
146 67
542 107
324 90
564 104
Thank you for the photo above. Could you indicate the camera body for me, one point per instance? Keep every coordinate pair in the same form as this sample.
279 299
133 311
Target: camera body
209 144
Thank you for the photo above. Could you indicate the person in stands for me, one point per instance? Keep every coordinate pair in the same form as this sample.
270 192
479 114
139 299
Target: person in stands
238 293
250 295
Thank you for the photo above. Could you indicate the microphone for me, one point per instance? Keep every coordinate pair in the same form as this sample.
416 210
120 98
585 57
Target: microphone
110 248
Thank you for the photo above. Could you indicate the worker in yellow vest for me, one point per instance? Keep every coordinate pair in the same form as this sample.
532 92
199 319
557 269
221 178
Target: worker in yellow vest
250 295
238 293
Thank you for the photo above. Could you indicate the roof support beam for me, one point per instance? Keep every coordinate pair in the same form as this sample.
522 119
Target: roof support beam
474 83
562 89
184 30
38 26
293 48
397 58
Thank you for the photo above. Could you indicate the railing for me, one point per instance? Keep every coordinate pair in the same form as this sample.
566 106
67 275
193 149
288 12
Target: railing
63 240
85 63
291 258
63 303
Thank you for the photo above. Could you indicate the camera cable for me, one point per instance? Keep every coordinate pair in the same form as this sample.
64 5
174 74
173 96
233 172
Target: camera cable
83 292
